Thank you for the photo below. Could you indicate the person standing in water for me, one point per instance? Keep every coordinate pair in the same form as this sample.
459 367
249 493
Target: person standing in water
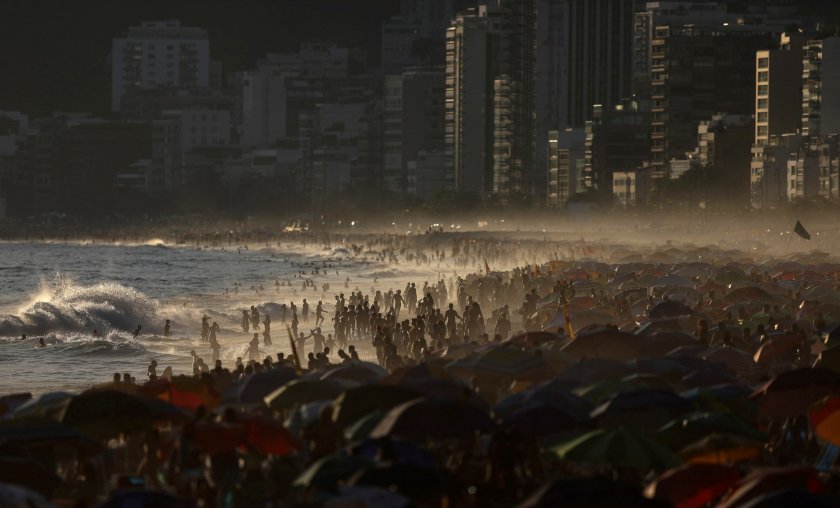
255 318
254 349
136 332
246 321
205 329
305 311
166 329
319 313
267 330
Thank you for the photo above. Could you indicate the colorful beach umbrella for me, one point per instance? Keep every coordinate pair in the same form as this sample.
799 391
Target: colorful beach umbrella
617 447
692 485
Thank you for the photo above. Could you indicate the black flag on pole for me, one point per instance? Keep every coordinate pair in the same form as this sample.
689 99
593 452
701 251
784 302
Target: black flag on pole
800 230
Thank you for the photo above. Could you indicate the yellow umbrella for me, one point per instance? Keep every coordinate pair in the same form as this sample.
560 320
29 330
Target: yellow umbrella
721 449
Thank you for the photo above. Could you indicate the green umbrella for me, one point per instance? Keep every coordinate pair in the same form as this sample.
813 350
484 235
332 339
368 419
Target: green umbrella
362 428
683 431
302 391
331 471
617 447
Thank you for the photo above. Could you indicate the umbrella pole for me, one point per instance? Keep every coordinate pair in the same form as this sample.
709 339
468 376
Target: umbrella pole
790 237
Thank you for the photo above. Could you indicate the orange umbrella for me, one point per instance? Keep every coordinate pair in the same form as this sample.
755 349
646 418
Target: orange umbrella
692 485
791 393
825 419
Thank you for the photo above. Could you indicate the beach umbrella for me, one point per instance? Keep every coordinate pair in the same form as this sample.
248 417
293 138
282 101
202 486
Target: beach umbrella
363 496
608 344
266 435
748 294
829 359
692 485
43 435
459 350
108 413
453 391
254 388
501 361
433 419
759 482
538 421
358 402
669 309
589 492
722 398
218 437
643 410
617 447
533 338
396 451
791 393
721 449
332 471
8 403
825 419
792 498
412 481
186 392
30 473
301 391
356 371
305 414
16 496
145 499
49 405
361 428
776 347
550 393
738 361
594 370
430 369
688 429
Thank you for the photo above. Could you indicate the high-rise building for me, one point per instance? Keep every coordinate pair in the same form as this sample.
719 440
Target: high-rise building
414 114
696 73
778 88
599 35
617 139
566 161
159 54
821 87
472 41
768 170
490 57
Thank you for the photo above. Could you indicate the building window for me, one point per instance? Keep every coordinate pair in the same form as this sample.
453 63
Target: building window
762 116
763 63
762 103
763 76
763 90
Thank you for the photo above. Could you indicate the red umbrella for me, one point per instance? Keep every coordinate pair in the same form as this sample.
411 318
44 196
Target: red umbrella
791 393
182 391
248 431
693 485
762 481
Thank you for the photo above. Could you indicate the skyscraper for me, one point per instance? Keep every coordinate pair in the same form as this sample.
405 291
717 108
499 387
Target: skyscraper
821 87
778 88
159 54
490 58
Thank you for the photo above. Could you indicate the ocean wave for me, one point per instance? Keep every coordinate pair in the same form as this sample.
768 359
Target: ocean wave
83 345
65 307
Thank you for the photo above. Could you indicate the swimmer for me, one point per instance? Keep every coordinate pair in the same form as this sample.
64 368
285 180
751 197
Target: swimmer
136 332
41 342
166 329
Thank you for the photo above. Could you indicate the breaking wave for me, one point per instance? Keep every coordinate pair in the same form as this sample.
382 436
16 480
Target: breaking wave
64 307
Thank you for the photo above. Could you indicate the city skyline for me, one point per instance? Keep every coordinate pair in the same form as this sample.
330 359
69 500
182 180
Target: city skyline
534 103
